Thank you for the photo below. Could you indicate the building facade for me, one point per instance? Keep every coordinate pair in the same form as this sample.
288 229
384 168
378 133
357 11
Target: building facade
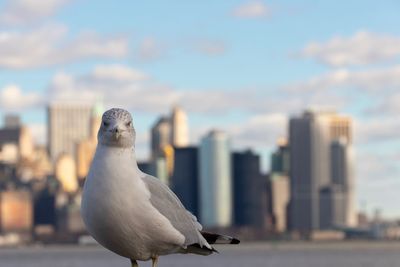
16 141
279 187
215 181
249 190
160 137
311 136
68 124
87 147
16 211
279 195
185 178
179 128
342 174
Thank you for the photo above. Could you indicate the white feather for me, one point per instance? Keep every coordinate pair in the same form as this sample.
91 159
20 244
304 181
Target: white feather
117 211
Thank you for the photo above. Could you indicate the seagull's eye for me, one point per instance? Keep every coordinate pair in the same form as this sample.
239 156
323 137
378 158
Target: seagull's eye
128 124
105 124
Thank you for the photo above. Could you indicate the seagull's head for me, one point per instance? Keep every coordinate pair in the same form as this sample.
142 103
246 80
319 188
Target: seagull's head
116 129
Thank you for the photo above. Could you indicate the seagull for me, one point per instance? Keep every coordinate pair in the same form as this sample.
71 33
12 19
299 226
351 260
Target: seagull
131 213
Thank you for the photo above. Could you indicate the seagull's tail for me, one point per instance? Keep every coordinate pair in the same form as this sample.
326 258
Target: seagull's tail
219 239
196 249
211 239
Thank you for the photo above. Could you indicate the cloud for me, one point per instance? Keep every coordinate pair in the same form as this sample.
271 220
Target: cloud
387 106
373 91
370 164
377 130
24 12
50 45
122 85
260 131
377 180
217 100
370 80
117 72
360 49
253 9
117 85
12 98
210 47
150 49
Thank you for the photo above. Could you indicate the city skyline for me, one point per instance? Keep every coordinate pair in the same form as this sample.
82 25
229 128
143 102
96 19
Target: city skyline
221 186
247 67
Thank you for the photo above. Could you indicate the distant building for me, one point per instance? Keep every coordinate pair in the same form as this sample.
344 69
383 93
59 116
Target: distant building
179 128
279 187
68 124
16 211
332 207
311 137
87 147
65 172
45 209
156 168
215 183
159 170
12 121
249 190
16 141
168 132
185 180
69 220
343 177
160 137
279 196
341 128
36 167
280 159
309 168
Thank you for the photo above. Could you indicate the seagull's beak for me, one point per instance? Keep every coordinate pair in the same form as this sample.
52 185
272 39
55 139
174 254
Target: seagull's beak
117 132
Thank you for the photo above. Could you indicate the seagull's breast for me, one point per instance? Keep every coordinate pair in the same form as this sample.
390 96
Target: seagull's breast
117 211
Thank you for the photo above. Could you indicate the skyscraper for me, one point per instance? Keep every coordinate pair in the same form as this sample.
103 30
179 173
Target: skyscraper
332 207
341 128
185 180
311 136
12 121
67 125
279 187
279 194
16 141
280 159
167 134
160 137
249 190
179 128
215 183
87 147
343 177
65 172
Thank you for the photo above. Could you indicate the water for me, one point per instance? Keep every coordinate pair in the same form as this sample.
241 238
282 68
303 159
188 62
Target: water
254 255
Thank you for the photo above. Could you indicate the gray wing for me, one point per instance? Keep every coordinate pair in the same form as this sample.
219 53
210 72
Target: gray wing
168 204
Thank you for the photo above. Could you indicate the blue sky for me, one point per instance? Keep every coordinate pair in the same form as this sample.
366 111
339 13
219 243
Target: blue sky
243 66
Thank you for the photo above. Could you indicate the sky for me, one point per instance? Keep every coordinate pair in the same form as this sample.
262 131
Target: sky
241 66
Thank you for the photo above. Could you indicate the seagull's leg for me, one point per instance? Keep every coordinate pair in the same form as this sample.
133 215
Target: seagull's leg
155 261
134 263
